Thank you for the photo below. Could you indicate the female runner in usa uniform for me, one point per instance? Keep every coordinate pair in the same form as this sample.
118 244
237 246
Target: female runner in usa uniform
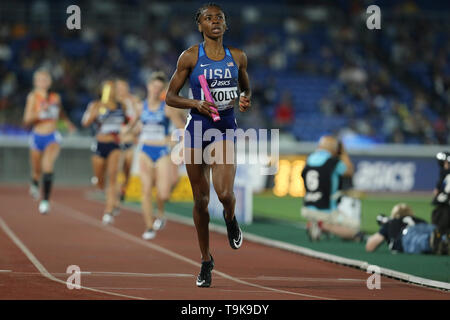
225 70
42 111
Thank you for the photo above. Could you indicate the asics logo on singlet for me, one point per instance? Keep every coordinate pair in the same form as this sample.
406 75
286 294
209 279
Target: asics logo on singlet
220 83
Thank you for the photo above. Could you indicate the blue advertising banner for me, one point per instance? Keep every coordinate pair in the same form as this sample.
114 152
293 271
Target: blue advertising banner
394 174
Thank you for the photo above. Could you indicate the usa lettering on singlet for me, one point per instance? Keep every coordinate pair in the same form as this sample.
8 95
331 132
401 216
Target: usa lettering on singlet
222 78
48 109
155 124
318 184
110 121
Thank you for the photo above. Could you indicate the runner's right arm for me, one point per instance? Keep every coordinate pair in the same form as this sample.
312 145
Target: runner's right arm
30 116
185 63
90 114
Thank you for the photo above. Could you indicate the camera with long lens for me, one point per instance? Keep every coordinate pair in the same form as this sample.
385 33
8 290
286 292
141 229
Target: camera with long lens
382 219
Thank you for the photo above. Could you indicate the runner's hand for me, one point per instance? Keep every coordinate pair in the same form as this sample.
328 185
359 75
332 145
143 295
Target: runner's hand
244 103
204 107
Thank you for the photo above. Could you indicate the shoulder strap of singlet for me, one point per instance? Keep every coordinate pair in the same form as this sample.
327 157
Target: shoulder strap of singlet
201 50
162 105
227 51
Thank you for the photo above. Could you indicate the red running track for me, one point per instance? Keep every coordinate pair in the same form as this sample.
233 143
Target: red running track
117 264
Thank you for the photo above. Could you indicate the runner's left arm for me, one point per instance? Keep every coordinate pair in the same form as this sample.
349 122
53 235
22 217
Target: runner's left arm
244 83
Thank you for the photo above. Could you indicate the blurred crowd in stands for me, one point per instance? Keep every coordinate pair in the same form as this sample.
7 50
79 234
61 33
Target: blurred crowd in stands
313 61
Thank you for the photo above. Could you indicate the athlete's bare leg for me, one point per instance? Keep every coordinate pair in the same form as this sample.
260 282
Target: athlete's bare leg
174 175
127 162
223 174
199 178
99 166
147 173
112 168
36 162
49 157
163 183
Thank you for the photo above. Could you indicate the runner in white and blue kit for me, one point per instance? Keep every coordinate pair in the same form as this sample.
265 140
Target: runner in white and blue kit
154 156
225 70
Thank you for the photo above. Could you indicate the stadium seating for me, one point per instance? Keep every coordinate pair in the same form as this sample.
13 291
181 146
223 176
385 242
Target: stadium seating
307 61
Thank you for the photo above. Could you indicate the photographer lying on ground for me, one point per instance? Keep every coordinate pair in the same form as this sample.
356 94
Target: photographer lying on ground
405 233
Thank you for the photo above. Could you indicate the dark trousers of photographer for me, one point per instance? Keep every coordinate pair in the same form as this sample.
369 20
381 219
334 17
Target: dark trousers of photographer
440 217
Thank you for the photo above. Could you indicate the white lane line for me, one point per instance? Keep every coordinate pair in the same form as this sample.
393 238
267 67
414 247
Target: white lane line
4 271
114 288
88 219
301 279
42 269
132 274
242 291
112 274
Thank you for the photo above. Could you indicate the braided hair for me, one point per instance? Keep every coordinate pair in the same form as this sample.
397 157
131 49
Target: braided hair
204 7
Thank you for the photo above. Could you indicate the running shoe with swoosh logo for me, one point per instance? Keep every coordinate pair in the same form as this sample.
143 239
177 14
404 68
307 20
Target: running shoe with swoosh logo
234 232
204 278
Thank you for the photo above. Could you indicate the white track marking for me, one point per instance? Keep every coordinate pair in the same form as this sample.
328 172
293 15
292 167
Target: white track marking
132 274
114 288
300 279
42 269
113 274
242 291
4 271
88 219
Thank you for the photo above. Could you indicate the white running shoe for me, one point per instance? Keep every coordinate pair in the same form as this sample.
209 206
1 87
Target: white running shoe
107 218
44 207
34 192
94 181
149 234
159 223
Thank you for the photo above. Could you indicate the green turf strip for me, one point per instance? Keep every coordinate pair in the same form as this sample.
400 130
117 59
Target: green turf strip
279 219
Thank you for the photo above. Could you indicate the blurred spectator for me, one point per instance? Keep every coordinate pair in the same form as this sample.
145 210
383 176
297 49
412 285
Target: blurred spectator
284 112
392 86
